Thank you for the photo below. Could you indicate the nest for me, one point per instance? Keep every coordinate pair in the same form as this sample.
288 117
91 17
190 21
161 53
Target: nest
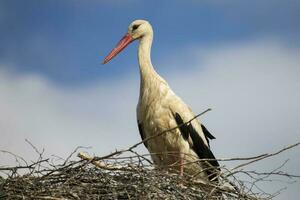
126 175
81 181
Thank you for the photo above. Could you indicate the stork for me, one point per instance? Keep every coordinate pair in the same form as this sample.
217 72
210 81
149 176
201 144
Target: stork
160 109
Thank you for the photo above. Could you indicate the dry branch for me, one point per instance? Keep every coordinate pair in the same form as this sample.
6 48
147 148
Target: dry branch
125 178
125 174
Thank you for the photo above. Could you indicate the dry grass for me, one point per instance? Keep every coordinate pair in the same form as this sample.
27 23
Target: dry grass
130 176
125 174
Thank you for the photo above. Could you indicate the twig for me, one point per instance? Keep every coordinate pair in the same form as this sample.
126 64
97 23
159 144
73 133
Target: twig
264 156
149 138
125 174
100 164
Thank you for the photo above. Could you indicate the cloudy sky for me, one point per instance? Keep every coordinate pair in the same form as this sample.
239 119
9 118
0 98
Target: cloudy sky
241 59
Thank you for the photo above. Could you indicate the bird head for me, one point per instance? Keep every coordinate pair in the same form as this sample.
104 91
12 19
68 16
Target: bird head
136 30
139 28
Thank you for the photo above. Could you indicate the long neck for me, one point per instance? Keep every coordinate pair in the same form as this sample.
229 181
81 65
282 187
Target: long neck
144 57
150 80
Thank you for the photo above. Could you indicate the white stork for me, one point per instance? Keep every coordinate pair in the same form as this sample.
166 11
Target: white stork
159 109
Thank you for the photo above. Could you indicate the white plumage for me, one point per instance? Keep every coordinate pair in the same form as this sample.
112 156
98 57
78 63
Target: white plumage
160 109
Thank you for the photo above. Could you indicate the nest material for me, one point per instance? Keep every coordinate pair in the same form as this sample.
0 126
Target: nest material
117 176
94 183
120 176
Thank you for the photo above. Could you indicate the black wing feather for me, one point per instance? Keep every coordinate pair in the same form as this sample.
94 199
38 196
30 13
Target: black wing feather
207 134
182 127
141 130
200 148
198 145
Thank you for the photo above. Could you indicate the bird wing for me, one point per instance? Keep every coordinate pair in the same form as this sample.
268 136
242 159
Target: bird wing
207 134
195 134
190 134
197 143
142 133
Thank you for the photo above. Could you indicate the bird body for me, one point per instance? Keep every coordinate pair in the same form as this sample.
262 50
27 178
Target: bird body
156 115
160 109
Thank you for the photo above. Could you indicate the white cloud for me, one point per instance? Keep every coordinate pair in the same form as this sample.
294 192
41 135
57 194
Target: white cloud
255 83
60 119
253 88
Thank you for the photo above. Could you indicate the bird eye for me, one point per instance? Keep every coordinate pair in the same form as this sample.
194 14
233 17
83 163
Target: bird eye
134 27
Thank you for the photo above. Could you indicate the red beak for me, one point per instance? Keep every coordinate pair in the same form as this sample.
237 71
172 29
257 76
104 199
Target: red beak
127 39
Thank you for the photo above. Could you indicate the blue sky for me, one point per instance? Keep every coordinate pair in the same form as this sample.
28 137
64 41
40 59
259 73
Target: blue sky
65 40
241 59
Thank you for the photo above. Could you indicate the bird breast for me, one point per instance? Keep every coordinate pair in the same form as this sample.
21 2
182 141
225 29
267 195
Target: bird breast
154 113
152 107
